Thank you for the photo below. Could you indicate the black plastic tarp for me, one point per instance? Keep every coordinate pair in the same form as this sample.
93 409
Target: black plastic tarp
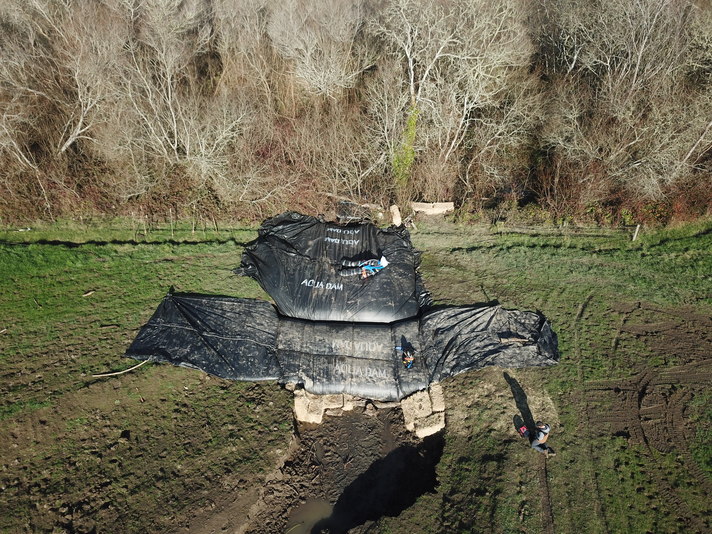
246 339
227 337
325 271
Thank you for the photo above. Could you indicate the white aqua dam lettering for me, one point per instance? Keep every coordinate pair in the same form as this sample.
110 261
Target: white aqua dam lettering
345 231
357 370
342 241
357 346
319 284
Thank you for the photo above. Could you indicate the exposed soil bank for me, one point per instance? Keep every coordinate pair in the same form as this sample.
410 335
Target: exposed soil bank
366 463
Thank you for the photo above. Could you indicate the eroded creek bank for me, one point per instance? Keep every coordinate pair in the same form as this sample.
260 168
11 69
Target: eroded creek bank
363 461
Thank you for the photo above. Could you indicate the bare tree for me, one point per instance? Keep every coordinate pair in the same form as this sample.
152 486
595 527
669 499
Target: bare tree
240 41
497 149
11 142
321 41
624 109
64 57
254 105
167 120
26 81
459 60
53 79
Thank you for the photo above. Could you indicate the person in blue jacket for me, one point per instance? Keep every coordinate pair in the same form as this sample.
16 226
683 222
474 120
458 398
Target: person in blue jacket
407 356
363 268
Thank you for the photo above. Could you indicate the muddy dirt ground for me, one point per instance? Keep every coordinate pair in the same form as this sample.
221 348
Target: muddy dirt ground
173 450
364 462
650 409
352 470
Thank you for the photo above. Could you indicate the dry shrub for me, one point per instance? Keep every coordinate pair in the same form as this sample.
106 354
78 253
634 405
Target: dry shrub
566 190
243 109
23 196
433 179
691 198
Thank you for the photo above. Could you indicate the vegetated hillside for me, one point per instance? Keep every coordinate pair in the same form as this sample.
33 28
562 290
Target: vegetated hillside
168 449
214 108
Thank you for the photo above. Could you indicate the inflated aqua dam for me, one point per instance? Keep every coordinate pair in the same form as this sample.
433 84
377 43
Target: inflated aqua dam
350 316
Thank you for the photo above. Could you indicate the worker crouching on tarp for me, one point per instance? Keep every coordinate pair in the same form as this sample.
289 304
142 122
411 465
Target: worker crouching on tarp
363 268
407 356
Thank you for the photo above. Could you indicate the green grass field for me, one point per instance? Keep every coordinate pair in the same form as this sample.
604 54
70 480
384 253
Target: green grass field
139 451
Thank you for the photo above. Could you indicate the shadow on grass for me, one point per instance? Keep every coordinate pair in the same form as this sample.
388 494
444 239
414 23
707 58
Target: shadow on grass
103 243
520 398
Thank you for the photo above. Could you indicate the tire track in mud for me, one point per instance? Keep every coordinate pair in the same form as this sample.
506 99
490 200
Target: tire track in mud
693 374
648 408
600 513
624 319
547 515
577 341
680 336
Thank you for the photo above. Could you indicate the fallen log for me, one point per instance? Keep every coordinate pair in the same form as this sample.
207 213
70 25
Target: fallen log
432 208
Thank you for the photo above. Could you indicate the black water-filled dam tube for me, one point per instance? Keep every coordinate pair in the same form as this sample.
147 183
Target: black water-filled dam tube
247 339
326 271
